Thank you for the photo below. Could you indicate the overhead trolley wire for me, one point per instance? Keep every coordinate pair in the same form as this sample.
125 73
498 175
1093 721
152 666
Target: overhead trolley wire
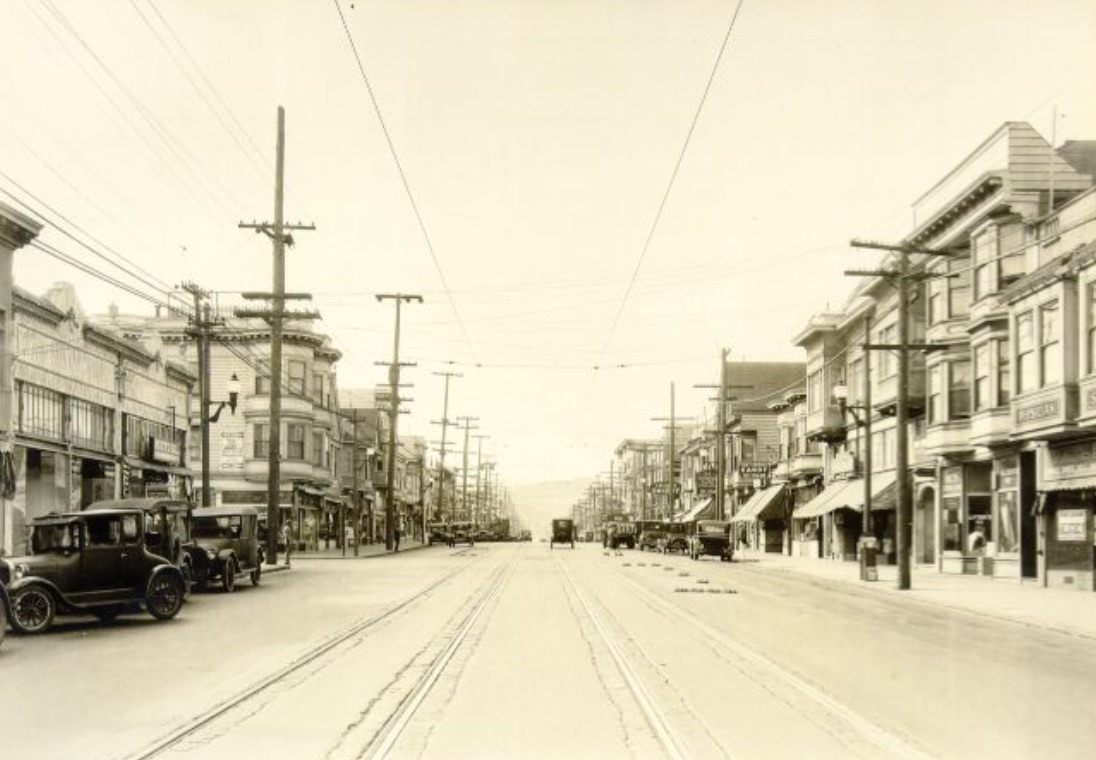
403 177
673 177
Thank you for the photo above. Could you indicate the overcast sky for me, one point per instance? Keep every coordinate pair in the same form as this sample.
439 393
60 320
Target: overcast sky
538 139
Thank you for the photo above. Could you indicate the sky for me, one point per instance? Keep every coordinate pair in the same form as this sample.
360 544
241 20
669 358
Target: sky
592 197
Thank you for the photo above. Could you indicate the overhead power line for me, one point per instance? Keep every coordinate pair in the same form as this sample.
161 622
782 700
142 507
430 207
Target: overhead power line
673 177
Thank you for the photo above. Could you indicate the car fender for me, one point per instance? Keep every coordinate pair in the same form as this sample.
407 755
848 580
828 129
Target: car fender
33 580
224 556
160 570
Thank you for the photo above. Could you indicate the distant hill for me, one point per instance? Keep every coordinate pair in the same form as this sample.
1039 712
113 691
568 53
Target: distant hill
537 503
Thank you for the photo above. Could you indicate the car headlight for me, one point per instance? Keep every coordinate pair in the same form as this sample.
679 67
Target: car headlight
211 554
20 571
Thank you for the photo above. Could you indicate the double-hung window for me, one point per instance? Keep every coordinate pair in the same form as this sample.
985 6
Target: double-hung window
1027 373
959 390
982 399
1050 344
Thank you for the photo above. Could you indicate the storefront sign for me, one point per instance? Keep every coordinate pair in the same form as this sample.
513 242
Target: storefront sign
706 483
232 451
1062 464
1072 525
752 469
1090 399
1041 411
160 450
952 481
844 465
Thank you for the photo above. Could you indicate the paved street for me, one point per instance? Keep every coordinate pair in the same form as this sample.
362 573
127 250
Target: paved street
519 650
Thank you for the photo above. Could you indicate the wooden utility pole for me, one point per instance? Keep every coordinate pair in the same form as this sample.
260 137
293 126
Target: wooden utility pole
393 416
200 328
673 420
444 426
902 278
280 233
467 421
476 509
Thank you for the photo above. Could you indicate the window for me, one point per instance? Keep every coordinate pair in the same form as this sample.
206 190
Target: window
317 450
1011 262
855 383
262 385
92 426
1091 317
317 389
1004 376
1050 345
883 450
959 289
887 364
982 398
985 255
959 390
936 400
295 441
936 289
41 412
1026 371
814 391
261 435
296 377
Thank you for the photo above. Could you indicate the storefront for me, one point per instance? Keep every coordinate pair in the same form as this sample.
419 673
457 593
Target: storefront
837 516
1065 510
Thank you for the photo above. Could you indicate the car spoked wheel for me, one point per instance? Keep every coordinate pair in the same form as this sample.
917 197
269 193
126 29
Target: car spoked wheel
165 596
32 610
228 576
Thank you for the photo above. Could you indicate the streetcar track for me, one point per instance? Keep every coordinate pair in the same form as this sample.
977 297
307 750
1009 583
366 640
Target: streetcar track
655 719
383 743
857 725
252 692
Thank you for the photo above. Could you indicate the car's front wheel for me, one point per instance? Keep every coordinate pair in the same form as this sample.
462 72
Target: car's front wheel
32 609
228 576
165 596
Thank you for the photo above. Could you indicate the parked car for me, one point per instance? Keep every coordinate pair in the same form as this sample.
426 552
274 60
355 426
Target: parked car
563 532
226 545
437 533
674 539
167 528
648 539
620 533
462 533
711 538
93 562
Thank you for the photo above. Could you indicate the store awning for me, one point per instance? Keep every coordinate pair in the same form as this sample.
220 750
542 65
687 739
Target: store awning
849 494
1073 484
758 503
697 512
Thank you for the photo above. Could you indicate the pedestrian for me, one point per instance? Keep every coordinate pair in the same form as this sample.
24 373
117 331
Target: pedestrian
396 534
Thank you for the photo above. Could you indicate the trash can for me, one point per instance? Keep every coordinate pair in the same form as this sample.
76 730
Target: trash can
869 571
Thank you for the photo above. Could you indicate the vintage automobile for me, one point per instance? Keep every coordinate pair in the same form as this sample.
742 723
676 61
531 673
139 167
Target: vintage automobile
711 538
620 533
167 528
226 544
563 532
462 533
649 532
673 539
437 533
93 562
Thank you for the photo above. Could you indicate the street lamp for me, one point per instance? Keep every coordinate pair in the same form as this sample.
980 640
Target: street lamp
207 419
233 386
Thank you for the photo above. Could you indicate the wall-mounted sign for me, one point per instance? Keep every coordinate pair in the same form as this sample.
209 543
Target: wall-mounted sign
1044 410
1072 525
752 469
1062 464
844 465
706 482
232 451
168 452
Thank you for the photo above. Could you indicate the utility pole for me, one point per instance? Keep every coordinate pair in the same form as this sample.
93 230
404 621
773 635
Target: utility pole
479 467
464 467
280 233
444 426
902 277
201 327
393 416
673 420
721 432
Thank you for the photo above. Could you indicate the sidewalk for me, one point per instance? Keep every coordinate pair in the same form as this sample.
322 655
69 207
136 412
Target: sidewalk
1028 603
365 551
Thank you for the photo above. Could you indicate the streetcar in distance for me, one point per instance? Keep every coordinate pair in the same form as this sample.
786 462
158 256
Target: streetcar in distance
563 532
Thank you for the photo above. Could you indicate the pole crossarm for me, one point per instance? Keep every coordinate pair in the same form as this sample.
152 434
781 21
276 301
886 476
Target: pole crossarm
899 248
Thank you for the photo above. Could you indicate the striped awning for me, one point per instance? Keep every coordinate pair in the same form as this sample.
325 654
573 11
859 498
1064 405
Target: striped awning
758 503
849 494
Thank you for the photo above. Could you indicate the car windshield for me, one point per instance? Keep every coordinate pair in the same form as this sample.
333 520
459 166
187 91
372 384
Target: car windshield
712 528
217 527
54 538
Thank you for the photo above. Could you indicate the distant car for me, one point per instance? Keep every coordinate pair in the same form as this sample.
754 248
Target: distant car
648 539
711 538
226 545
619 534
675 543
461 533
94 562
437 533
563 532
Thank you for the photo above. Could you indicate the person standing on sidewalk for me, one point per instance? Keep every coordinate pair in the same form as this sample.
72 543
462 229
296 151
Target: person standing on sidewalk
396 535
